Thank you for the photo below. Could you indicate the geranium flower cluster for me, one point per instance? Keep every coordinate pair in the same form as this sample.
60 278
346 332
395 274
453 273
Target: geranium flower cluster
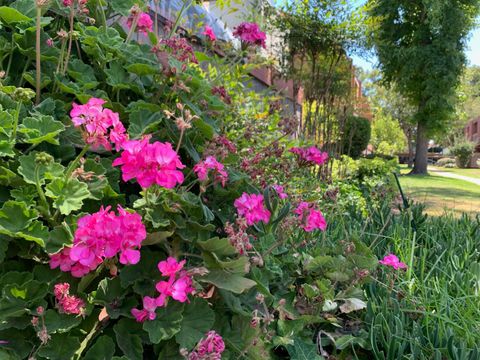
220 147
252 208
82 5
102 127
66 303
280 191
150 164
208 32
222 93
144 22
250 34
310 218
209 348
100 236
393 261
179 48
239 237
310 155
210 163
178 287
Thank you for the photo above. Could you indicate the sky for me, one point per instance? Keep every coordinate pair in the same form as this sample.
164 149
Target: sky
473 53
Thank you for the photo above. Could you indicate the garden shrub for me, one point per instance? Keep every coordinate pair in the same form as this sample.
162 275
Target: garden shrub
446 162
356 135
463 153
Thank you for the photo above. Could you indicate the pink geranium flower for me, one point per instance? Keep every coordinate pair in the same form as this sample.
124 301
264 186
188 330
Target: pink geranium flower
99 236
252 208
170 266
148 311
310 156
66 303
393 261
208 32
250 34
310 218
210 163
280 191
150 164
101 127
144 23
210 347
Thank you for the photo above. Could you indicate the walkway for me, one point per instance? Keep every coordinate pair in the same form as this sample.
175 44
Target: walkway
455 176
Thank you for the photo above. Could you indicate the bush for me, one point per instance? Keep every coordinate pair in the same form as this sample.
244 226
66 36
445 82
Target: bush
356 136
463 153
446 162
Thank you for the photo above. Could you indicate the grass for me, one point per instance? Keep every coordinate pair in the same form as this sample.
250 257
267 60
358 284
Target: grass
473 173
441 194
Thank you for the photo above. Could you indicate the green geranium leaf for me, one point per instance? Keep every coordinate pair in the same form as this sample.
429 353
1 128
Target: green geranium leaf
103 349
36 232
303 351
142 69
41 128
67 196
59 237
10 15
127 341
218 246
143 121
60 347
231 282
60 323
122 6
167 323
45 172
15 217
198 319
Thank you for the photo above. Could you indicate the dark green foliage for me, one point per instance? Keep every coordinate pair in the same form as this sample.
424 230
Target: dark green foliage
463 152
356 136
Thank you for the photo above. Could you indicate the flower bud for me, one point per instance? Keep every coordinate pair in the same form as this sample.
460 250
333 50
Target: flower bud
23 94
43 158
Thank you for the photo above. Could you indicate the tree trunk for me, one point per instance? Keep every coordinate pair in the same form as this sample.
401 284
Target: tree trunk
421 151
410 148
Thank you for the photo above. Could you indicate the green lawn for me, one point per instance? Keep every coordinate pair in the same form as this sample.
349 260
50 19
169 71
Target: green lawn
442 194
473 173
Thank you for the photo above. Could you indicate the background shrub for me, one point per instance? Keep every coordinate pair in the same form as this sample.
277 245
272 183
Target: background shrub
446 162
463 152
356 136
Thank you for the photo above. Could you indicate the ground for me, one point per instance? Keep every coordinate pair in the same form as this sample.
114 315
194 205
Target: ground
442 194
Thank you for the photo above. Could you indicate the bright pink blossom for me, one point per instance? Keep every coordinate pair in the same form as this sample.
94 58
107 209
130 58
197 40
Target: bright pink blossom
66 303
208 32
252 208
393 261
250 34
210 347
148 311
178 285
310 218
144 23
210 163
99 236
310 156
280 191
101 127
150 164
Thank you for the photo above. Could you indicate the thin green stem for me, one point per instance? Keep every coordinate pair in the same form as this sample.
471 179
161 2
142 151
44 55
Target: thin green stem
87 339
70 36
15 121
44 207
11 57
74 163
38 55
184 8
180 141
132 28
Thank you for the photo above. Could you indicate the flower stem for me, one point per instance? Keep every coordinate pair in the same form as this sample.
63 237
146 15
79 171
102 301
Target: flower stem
85 341
70 36
132 28
180 140
74 163
44 207
15 122
38 55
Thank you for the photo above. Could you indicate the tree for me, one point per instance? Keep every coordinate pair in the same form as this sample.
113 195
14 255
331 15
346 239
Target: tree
356 136
387 135
420 45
